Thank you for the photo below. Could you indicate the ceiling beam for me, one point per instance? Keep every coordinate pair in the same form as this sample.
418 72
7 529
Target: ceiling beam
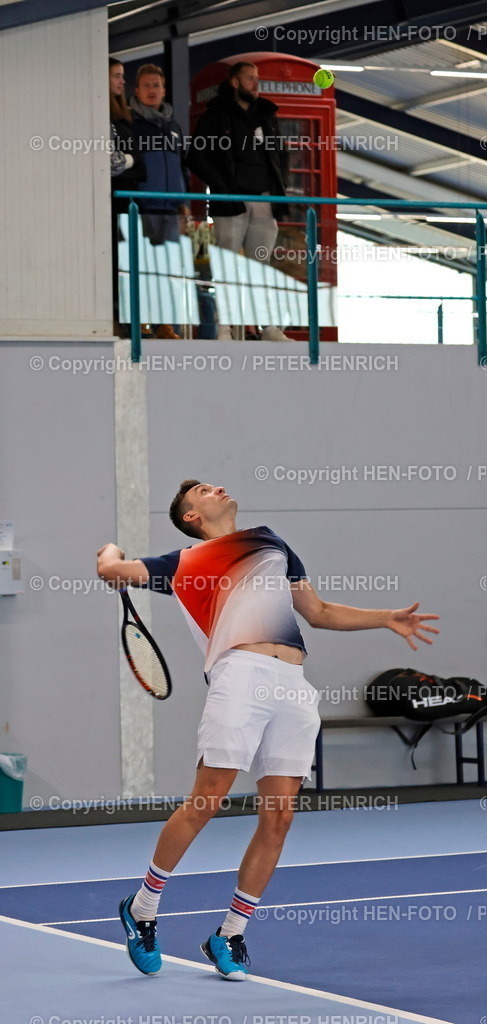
345 120
434 99
354 189
337 28
398 184
165 19
470 40
406 124
390 26
435 166
403 232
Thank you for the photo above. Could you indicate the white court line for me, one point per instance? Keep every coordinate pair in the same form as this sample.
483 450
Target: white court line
274 906
286 985
222 871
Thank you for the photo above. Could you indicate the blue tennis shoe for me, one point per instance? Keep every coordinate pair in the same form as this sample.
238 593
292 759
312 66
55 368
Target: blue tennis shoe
142 945
228 954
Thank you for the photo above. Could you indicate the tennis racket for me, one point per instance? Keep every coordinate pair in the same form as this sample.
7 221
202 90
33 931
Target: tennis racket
143 655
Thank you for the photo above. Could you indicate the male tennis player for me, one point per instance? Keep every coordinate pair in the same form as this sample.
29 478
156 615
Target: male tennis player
237 590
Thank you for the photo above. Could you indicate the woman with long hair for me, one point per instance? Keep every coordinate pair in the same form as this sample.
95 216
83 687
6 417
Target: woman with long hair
127 165
119 108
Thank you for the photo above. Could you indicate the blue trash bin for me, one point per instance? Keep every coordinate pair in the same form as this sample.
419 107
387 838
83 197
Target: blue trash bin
12 774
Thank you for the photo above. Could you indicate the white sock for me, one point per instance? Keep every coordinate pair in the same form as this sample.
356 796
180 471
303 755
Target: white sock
145 903
241 909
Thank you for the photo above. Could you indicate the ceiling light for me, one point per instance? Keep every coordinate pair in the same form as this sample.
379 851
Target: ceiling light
342 67
459 74
450 220
359 216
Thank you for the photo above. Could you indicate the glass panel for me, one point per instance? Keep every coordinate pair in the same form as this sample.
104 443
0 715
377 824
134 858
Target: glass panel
390 294
389 291
168 287
250 292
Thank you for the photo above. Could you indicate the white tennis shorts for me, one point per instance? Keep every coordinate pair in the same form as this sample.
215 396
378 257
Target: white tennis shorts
262 710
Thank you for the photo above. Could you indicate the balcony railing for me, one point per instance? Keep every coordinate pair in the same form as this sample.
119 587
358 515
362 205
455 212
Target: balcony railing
313 255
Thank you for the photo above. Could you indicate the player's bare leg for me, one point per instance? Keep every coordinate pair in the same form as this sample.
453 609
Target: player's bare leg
211 785
277 799
138 913
226 947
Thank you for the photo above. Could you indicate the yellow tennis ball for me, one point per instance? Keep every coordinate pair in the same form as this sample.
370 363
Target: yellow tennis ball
323 78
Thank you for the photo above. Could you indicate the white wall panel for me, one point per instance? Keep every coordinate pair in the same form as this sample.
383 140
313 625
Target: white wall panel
55 267
59 639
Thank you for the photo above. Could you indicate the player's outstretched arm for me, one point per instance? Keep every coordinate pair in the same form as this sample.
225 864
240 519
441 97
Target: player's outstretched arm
113 567
323 615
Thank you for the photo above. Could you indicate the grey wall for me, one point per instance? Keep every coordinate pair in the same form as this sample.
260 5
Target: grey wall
60 691
59 697
428 409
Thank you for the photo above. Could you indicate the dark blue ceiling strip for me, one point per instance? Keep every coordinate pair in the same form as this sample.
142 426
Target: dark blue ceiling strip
29 11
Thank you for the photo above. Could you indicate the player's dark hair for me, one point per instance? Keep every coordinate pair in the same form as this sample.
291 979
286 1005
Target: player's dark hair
238 67
179 506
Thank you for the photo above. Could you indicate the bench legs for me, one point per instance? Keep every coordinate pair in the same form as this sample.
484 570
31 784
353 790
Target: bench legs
318 765
479 760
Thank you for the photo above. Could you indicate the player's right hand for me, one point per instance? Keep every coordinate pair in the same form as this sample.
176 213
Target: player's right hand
115 551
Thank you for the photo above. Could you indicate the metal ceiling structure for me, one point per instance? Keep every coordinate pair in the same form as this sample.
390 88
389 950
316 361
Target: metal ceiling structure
403 132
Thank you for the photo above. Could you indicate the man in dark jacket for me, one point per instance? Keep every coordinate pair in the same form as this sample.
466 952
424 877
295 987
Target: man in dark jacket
160 140
237 149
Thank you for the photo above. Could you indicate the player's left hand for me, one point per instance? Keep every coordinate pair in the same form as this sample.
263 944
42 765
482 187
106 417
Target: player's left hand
404 622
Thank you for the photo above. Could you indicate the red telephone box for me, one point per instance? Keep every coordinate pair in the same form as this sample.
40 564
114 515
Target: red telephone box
307 117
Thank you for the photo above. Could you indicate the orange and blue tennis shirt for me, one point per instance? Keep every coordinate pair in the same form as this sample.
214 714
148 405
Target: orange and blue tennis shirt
234 589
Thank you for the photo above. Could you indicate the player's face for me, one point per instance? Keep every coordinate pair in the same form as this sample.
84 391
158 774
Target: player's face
248 84
211 503
151 90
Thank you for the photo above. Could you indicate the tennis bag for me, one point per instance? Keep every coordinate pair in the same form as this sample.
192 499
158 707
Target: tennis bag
425 698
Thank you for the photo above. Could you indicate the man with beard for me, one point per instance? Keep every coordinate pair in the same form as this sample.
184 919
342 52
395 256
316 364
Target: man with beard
237 149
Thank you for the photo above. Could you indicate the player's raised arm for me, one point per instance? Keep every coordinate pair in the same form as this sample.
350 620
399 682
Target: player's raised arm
323 615
114 568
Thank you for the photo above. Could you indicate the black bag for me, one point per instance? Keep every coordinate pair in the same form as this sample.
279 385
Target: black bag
425 698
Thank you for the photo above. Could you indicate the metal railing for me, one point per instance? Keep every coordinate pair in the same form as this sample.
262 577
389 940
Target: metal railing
312 253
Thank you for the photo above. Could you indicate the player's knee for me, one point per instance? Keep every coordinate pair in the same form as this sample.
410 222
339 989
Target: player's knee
200 807
276 823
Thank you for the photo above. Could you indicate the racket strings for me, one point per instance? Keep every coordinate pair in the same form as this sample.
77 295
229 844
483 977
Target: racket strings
145 660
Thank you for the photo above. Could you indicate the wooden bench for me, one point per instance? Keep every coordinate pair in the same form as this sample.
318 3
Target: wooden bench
397 724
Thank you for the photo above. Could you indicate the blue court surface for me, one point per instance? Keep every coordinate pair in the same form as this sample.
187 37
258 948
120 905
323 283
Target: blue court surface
372 917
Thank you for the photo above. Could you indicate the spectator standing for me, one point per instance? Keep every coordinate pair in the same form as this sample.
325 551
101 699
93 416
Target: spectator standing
242 155
126 164
160 140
